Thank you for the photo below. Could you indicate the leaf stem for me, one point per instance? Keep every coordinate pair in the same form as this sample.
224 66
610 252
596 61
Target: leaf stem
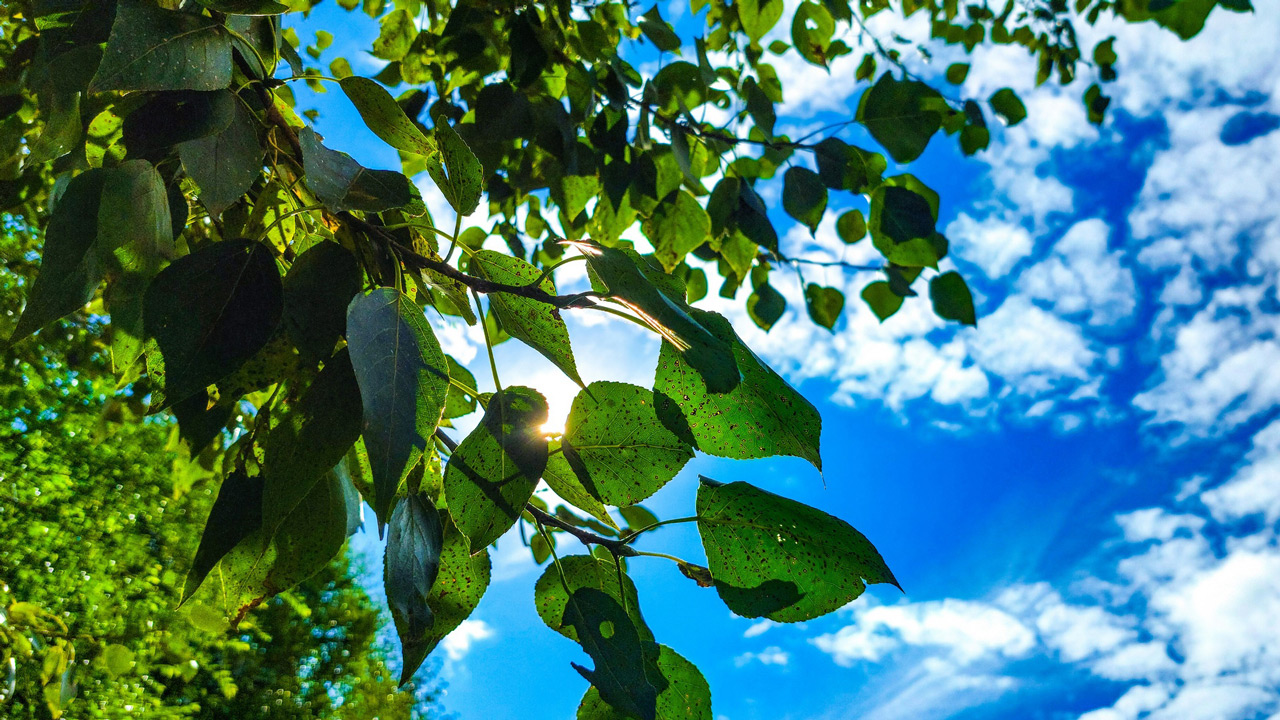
636 533
488 344
286 216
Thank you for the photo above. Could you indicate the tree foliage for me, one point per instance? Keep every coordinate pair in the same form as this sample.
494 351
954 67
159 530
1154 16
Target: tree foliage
96 522
273 294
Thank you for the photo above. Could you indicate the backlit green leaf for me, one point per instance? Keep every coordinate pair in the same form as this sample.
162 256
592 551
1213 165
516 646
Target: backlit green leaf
495 469
762 417
824 303
384 116
461 178
535 323
902 115
777 558
687 696
616 445
678 226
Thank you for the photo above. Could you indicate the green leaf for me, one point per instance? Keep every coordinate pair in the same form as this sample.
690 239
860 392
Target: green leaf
457 403
461 582
616 445
578 190
396 35
677 227
317 290
901 115
780 559
69 268
637 517
117 659
851 227
535 323
342 184
62 129
552 592
495 469
658 31
225 163
882 300
846 167
310 439
246 7
765 306
404 380
135 232
236 514
212 310
384 116
957 72
759 106
154 49
804 197
952 299
1096 104
170 118
564 482
1006 103
461 178
697 346
309 537
762 417
626 670
411 563
759 16
811 29
900 215
687 696
825 304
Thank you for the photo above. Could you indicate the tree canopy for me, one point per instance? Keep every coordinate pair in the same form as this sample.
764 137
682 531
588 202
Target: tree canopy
277 297
97 520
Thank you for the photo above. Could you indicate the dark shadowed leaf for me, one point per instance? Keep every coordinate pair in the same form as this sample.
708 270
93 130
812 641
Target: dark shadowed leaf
246 7
882 300
658 31
804 197
236 514
317 290
69 269
169 118
404 380
310 439
225 163
212 310
626 672
415 540
952 299
765 306
534 323
780 559
154 49
902 115
846 167
461 582
824 303
762 417
1008 106
616 445
495 469
687 696
341 183
135 232
551 596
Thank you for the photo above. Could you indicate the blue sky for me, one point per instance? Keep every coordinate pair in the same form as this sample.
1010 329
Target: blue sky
1080 496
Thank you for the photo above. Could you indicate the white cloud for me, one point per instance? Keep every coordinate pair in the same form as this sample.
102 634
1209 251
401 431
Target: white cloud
1082 278
1156 524
1032 349
1255 488
758 628
459 642
771 655
992 243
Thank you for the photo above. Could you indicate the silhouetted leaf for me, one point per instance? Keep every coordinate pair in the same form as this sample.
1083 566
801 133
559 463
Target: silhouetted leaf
404 380
458 403
626 672
212 310
317 290
411 563
952 299
846 167
236 514
804 197
687 696
341 183
780 559
310 439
